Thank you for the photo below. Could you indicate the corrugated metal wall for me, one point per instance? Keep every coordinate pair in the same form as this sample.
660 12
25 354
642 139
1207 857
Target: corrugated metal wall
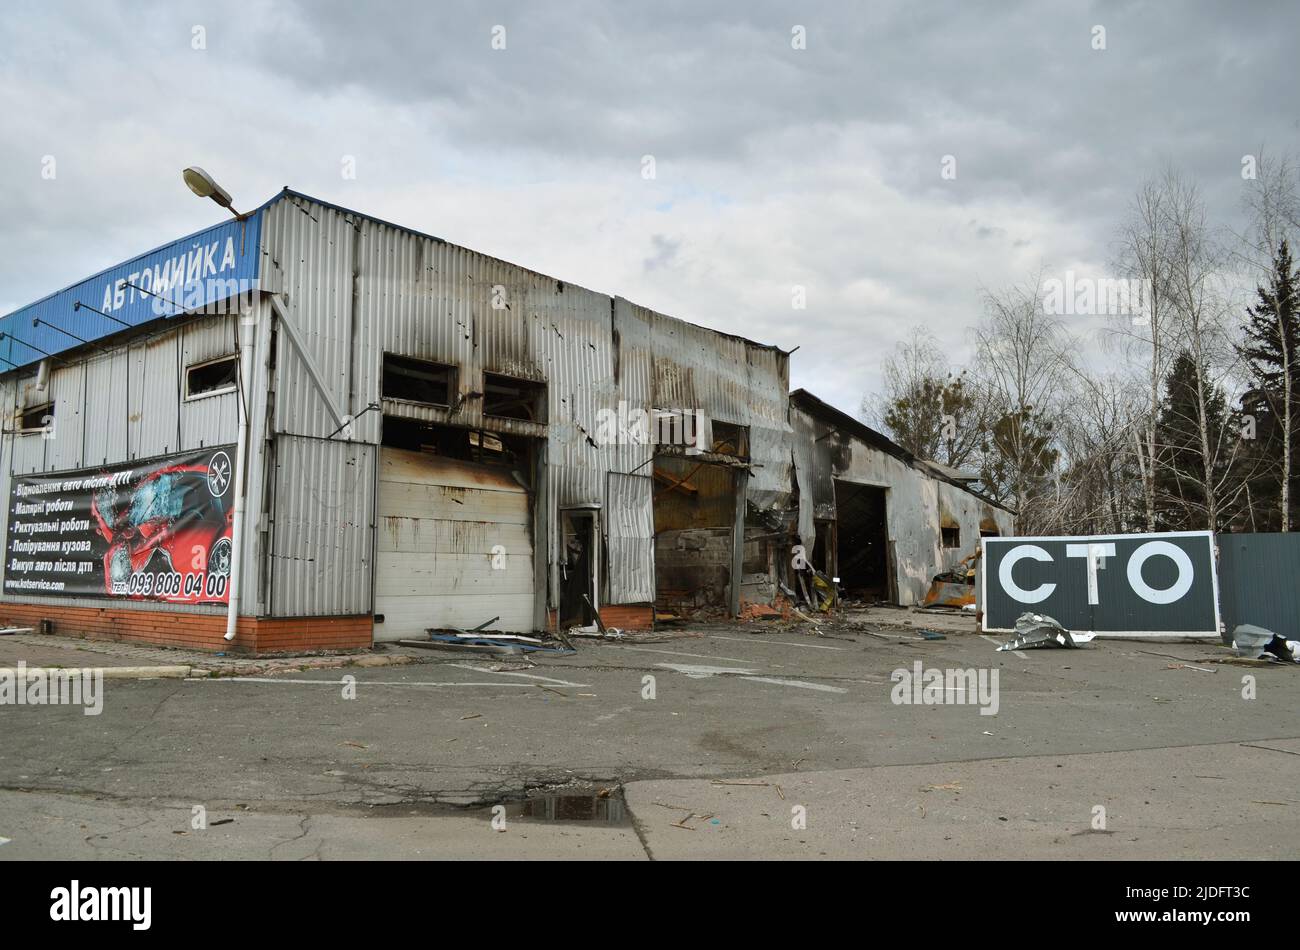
1257 581
322 527
357 288
122 405
629 517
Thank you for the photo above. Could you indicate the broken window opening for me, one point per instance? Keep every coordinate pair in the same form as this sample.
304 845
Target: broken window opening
421 381
213 377
470 445
510 398
673 427
37 418
730 439
950 537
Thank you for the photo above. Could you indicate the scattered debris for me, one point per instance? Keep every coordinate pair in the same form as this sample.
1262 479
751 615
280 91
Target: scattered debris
1040 630
931 635
506 637
1257 643
753 611
7 631
597 633
471 716
683 822
803 616
954 588
945 787
484 643
220 821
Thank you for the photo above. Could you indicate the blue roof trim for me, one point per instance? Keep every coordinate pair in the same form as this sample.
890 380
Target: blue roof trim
192 272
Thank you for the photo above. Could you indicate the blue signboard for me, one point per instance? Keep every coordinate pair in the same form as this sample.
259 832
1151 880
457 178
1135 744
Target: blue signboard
213 265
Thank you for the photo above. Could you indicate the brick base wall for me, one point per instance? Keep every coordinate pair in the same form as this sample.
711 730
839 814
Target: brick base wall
253 635
623 616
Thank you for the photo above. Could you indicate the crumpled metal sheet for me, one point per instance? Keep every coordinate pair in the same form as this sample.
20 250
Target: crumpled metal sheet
1255 642
1040 630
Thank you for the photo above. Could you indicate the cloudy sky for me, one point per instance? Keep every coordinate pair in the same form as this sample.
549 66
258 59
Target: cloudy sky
774 166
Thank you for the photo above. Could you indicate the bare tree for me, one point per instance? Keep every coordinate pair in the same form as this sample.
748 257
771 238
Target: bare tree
1198 293
1023 362
1099 456
1143 250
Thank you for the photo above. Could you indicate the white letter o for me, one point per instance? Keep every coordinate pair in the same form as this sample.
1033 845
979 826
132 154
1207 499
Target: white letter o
1175 554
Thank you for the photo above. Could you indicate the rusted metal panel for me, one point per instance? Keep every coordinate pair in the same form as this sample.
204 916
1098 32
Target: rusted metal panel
727 379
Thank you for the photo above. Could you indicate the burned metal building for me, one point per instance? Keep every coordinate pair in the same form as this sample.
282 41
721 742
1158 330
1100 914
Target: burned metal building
427 437
877 517
308 428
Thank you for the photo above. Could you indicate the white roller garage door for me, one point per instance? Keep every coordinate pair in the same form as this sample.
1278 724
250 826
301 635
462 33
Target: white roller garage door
439 521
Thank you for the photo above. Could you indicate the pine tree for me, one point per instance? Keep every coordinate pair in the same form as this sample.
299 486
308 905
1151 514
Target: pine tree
1182 492
1272 334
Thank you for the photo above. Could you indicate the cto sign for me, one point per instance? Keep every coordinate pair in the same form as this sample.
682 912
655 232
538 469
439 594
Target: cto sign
1132 584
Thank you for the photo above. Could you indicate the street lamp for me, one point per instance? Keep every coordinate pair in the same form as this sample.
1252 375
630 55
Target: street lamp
205 186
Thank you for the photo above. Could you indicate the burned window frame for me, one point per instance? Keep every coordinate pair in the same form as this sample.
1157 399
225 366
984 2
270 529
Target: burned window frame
533 393
391 362
44 409
947 531
735 433
221 390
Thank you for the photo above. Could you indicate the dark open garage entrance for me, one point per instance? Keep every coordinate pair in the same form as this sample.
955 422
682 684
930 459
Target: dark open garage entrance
863 542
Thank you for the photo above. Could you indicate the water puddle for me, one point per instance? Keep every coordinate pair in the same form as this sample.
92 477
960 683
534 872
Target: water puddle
600 804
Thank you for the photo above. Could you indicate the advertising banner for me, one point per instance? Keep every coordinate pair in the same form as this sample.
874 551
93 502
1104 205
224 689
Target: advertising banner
157 530
1159 584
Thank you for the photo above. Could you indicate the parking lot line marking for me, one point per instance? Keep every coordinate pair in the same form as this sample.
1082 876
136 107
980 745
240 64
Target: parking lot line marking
700 672
698 656
338 682
531 676
799 683
783 643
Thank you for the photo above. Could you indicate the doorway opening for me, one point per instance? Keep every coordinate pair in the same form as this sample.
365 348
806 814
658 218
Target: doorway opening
694 519
862 546
579 566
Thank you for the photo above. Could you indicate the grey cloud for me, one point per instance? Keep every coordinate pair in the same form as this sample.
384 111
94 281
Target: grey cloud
775 167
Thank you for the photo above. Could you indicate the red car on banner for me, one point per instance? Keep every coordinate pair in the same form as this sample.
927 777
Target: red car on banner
168 532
